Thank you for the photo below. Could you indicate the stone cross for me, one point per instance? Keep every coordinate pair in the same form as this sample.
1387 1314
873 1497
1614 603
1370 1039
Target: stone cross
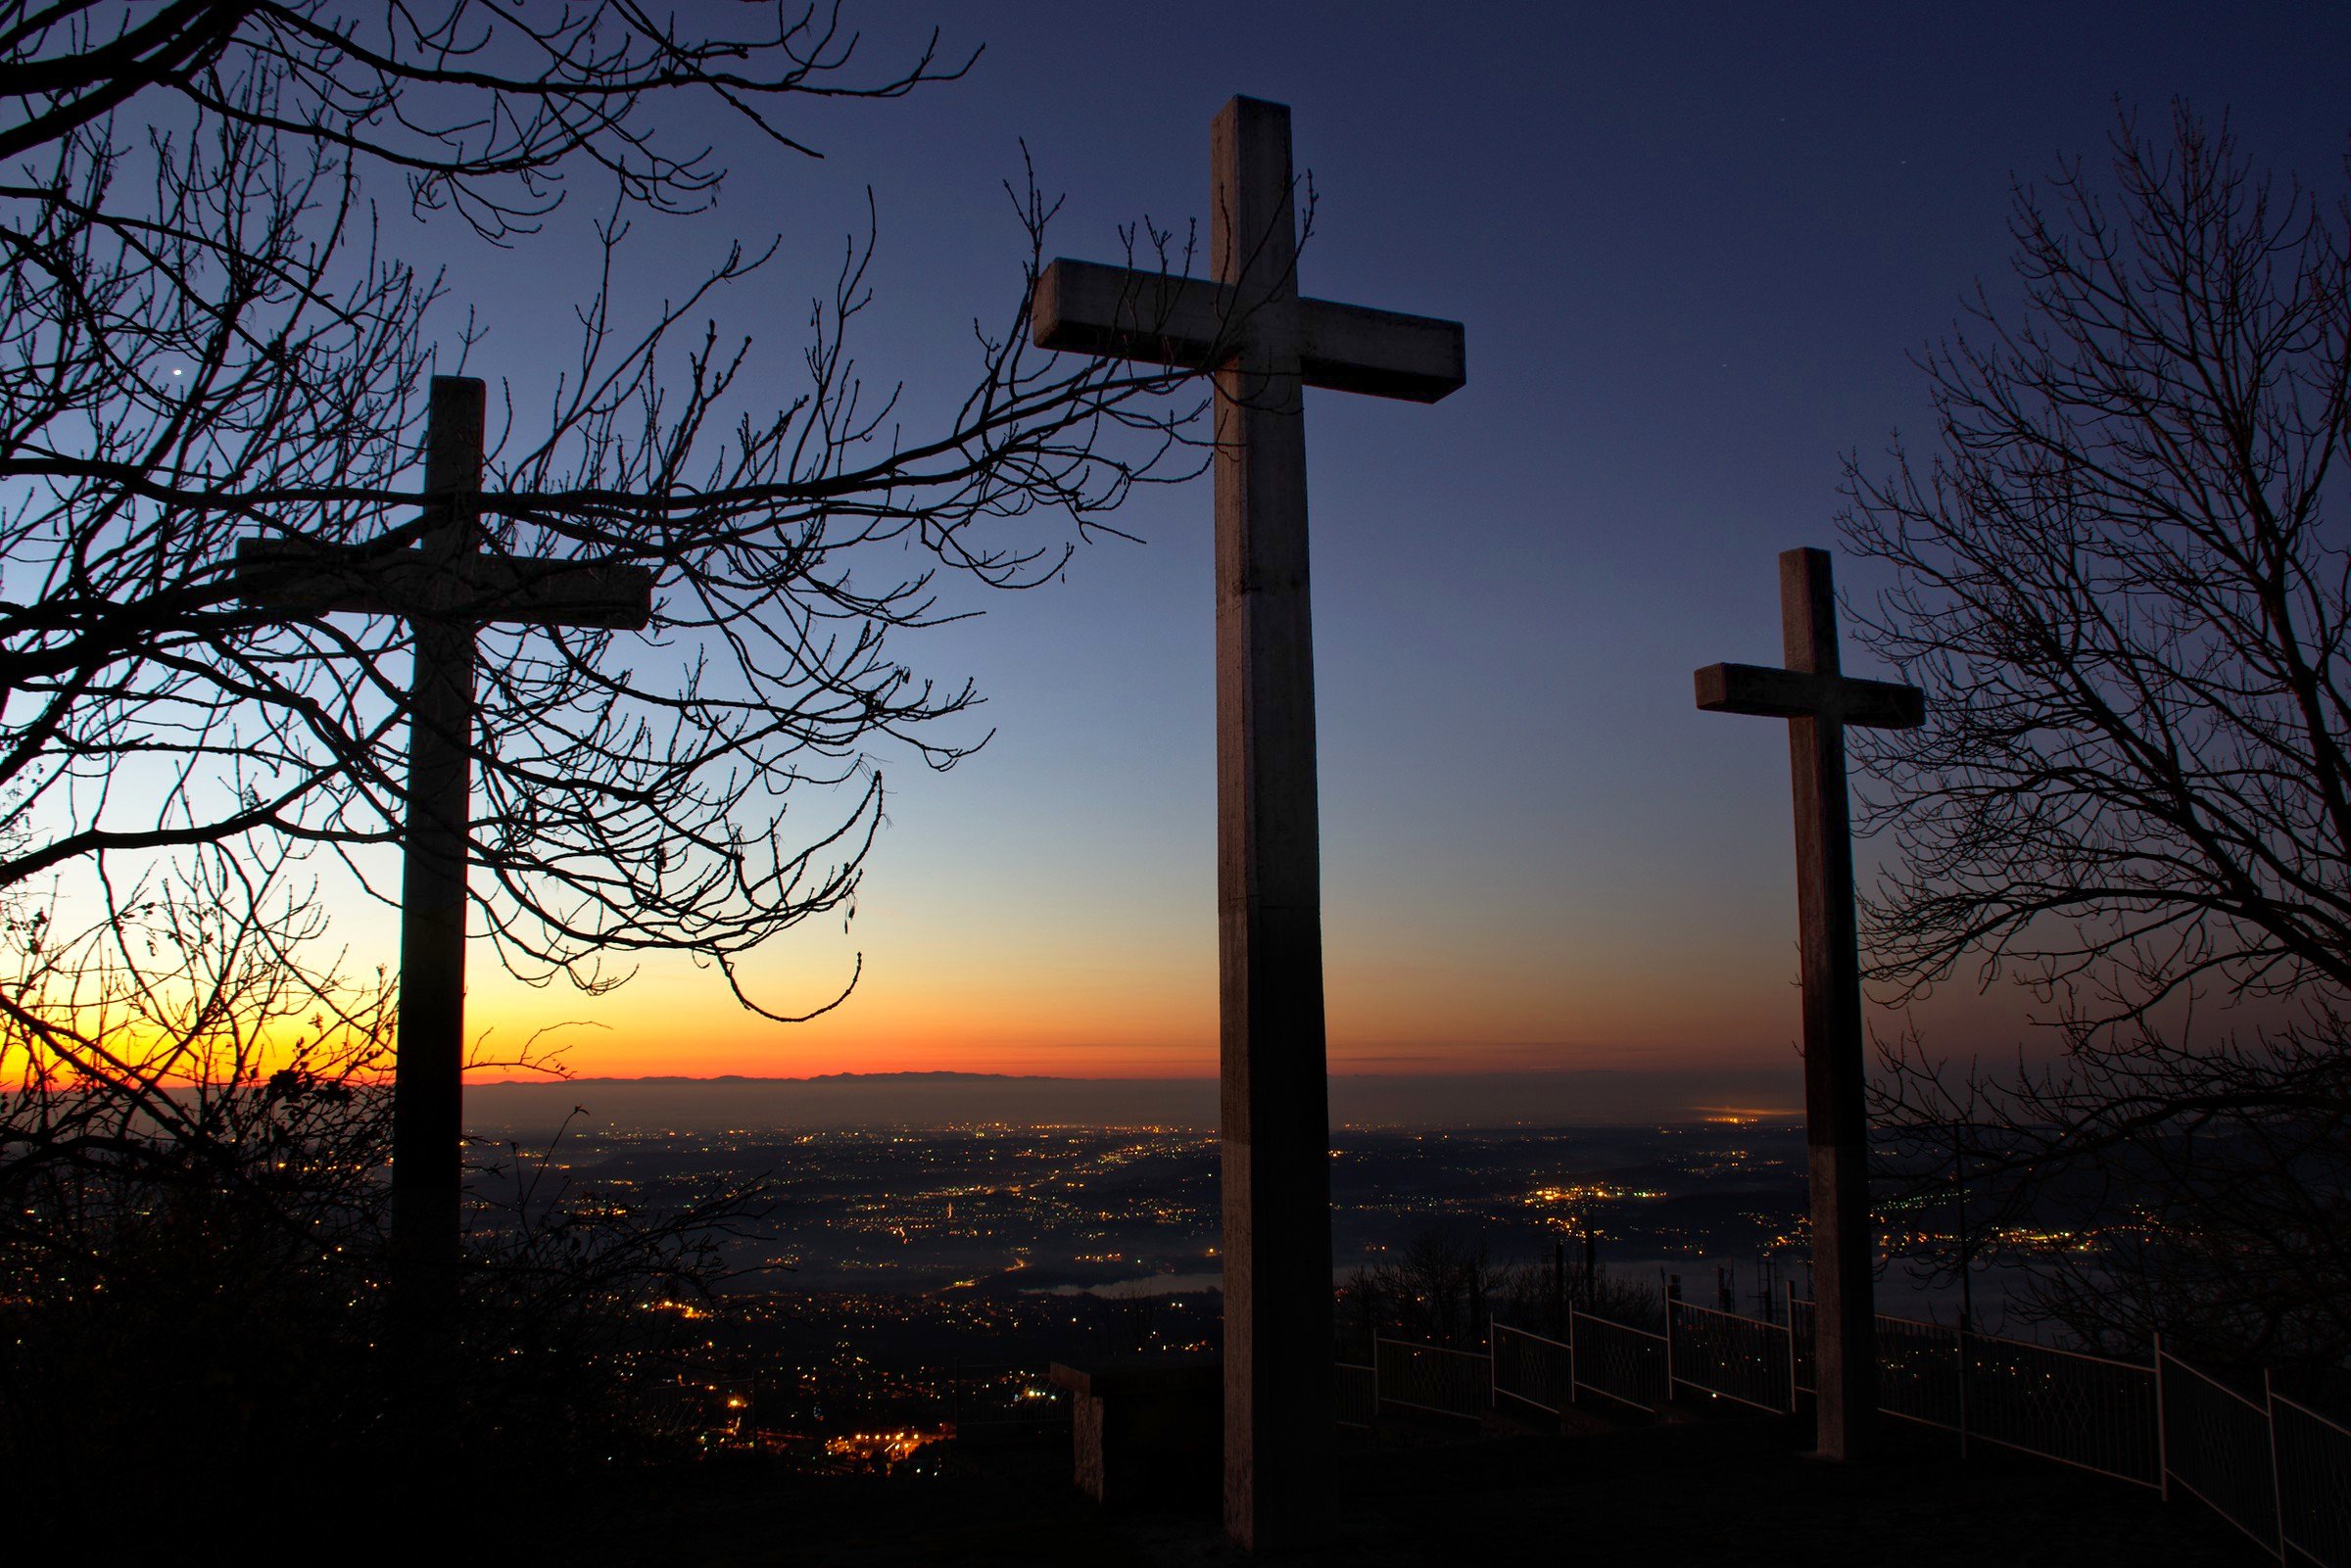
446 589
1265 344
1819 703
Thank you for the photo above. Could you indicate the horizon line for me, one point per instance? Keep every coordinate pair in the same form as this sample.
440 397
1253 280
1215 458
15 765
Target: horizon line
934 1073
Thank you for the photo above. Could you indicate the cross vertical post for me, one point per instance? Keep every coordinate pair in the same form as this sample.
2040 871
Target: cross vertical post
1835 1116
428 1068
1275 1102
1264 343
447 589
1818 701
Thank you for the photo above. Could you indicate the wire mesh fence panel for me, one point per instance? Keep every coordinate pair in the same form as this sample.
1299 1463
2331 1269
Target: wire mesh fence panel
2215 1443
1918 1372
1533 1369
2314 1484
2277 1470
1918 1366
1355 1393
1622 1362
2081 1410
1741 1359
1429 1377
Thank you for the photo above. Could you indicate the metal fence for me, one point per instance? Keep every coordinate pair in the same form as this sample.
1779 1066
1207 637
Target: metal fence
2080 1409
1617 1362
2084 1410
2277 1469
1354 1395
1919 1371
2216 1446
1533 1369
1730 1357
2313 1459
1799 1344
1433 1379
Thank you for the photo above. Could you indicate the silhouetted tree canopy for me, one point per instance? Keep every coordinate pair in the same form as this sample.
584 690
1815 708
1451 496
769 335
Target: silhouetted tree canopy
208 338
480 108
209 342
2124 577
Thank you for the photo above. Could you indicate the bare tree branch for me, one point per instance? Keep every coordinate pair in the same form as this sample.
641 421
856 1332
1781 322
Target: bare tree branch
2123 579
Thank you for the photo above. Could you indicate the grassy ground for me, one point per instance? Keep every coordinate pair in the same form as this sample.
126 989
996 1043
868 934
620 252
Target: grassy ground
1732 1492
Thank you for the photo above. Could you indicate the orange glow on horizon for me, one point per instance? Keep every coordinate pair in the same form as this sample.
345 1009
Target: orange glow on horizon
1152 1017
1100 1006
684 1023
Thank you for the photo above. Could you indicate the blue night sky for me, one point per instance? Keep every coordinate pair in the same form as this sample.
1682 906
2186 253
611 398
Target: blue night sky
1692 247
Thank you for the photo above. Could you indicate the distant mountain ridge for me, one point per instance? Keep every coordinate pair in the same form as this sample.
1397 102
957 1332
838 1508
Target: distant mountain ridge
928 1076
845 1101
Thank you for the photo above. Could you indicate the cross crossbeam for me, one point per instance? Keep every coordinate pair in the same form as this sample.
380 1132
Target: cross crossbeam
1803 694
447 589
1264 345
1818 701
1196 323
314 578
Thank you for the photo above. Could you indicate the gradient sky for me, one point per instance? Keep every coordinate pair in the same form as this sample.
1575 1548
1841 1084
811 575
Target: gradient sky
1692 247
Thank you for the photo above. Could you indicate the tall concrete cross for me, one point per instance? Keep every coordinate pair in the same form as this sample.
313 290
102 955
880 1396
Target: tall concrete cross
1819 703
447 589
1265 344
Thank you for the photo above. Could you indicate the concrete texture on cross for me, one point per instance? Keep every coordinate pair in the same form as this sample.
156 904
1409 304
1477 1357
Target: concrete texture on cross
1264 345
1818 701
445 588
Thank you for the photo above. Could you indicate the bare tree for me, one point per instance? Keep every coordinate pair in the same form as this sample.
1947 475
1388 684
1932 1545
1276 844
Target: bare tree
177 1227
1440 1287
209 339
192 1249
206 345
1538 1294
479 108
2123 580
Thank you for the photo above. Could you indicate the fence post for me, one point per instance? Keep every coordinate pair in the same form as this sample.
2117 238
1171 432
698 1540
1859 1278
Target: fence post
1963 1385
2163 1445
2269 1409
1673 1294
1790 1326
1789 1286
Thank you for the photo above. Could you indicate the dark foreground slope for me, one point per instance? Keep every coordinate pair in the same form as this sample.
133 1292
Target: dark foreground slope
1713 1493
